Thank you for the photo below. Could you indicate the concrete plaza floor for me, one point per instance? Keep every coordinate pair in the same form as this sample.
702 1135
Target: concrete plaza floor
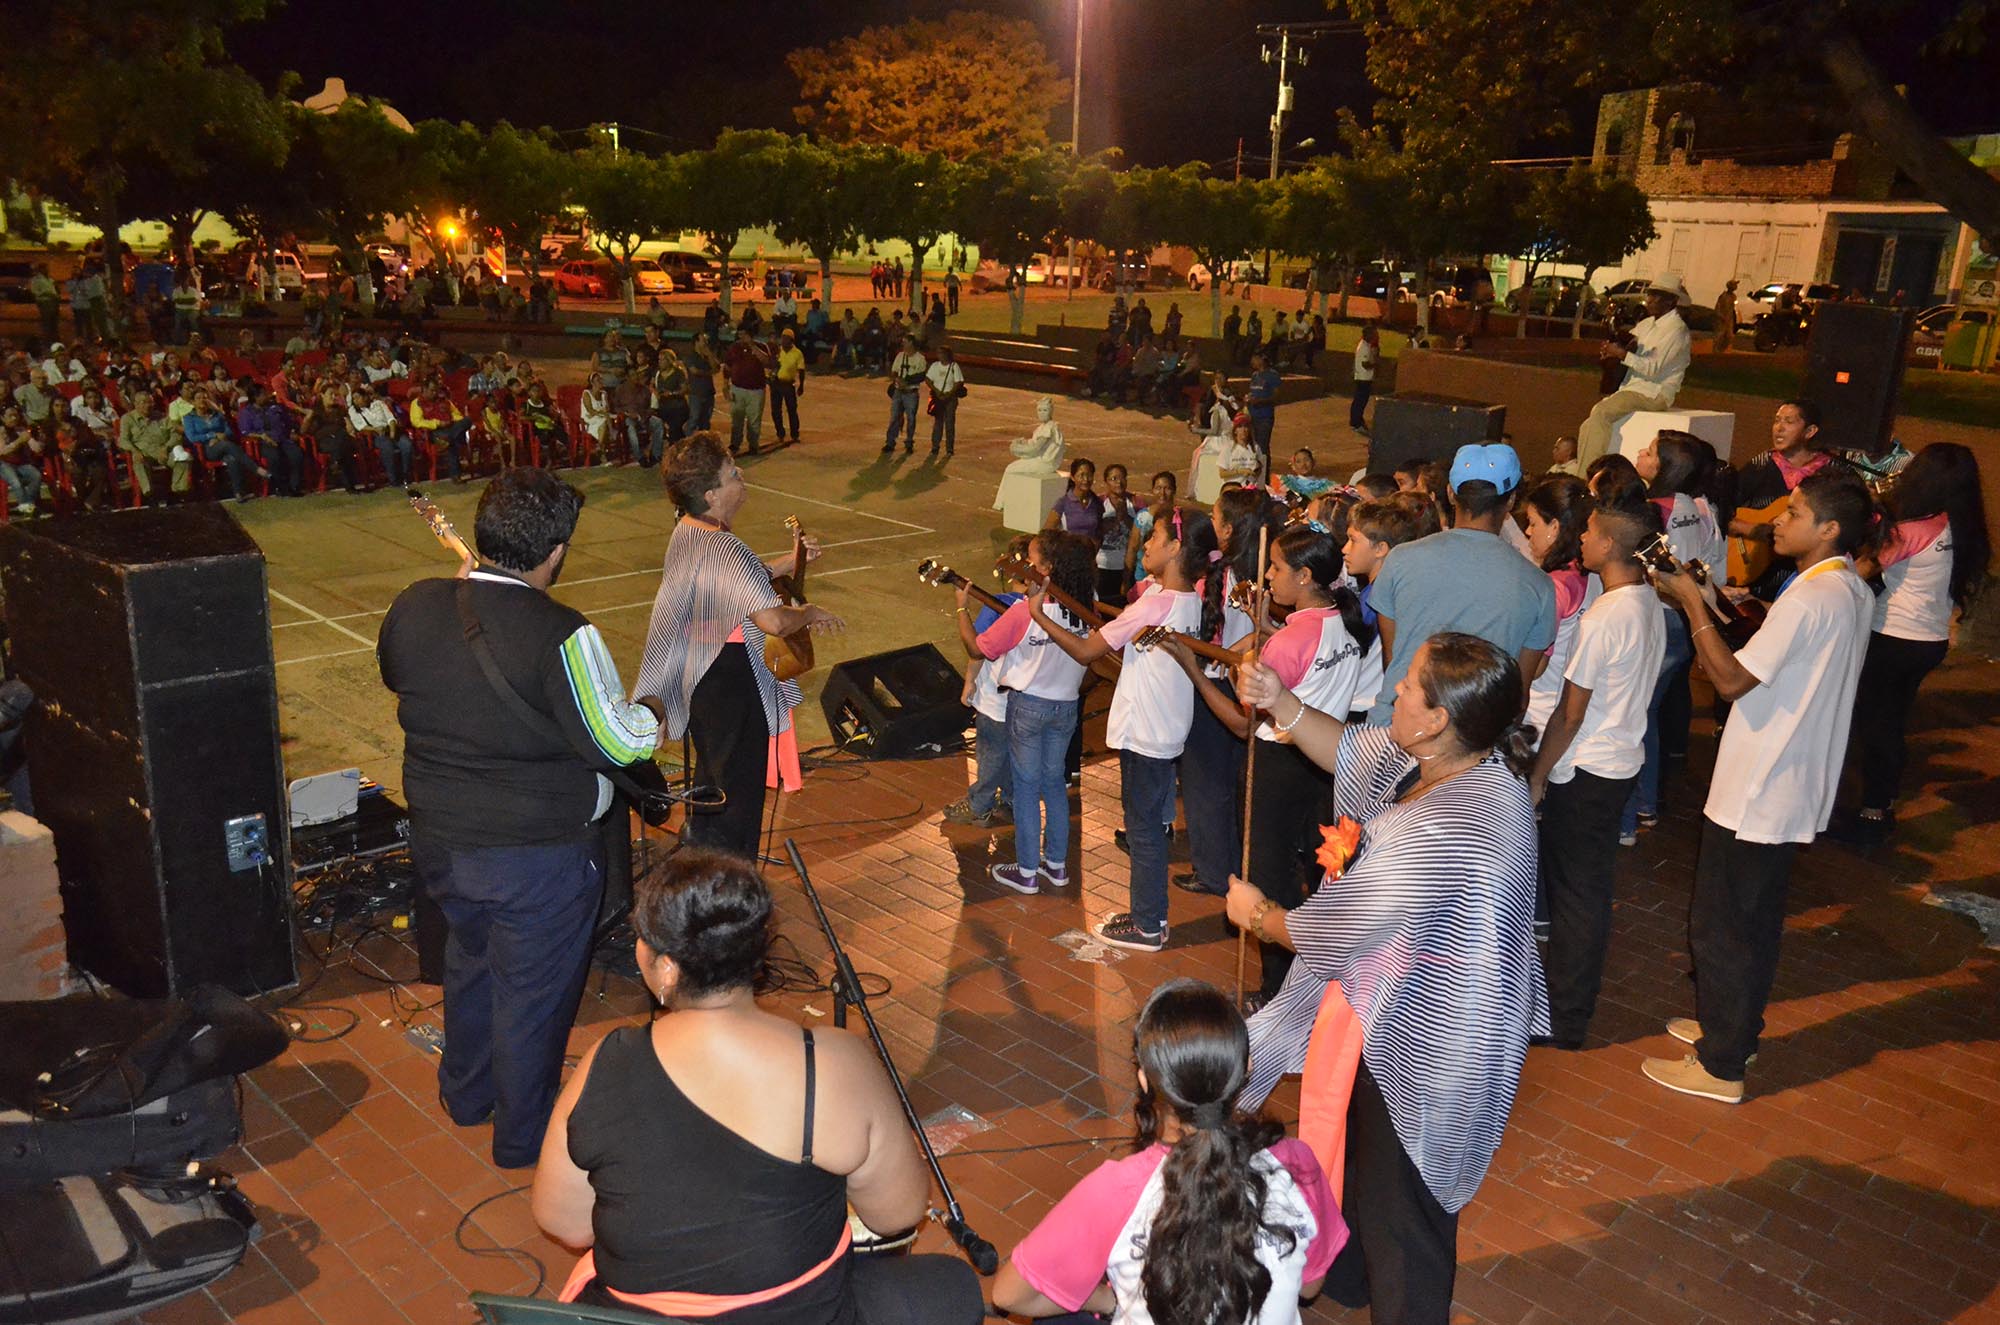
1859 1183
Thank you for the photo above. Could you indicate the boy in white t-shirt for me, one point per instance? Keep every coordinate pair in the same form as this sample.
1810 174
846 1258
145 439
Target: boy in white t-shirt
1776 770
1589 760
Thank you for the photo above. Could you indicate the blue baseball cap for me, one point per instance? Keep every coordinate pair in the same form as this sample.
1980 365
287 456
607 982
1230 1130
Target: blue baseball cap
1494 462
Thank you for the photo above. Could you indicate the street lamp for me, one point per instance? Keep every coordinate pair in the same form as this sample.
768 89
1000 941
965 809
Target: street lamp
1075 139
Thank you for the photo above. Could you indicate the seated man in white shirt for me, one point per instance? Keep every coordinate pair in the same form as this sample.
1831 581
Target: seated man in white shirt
1776 771
371 420
1655 366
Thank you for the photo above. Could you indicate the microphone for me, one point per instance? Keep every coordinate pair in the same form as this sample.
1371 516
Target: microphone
978 1250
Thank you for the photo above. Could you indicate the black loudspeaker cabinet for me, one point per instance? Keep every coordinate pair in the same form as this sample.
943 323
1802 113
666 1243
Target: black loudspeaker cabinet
1417 426
1854 373
890 705
146 635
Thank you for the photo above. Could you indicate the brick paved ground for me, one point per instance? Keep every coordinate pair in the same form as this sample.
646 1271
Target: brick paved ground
1860 1183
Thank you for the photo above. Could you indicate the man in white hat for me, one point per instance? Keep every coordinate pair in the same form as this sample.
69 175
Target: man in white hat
1656 362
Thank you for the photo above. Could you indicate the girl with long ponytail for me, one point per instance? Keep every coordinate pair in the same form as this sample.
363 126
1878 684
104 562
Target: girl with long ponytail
1211 768
1217 1219
1320 654
1933 554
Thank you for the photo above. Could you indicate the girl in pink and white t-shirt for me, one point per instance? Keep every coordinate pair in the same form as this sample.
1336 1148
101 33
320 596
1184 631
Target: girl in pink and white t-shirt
1932 559
1041 682
1152 708
1556 509
1218 1216
1320 654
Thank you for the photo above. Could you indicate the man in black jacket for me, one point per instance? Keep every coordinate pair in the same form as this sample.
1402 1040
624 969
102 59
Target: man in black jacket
512 711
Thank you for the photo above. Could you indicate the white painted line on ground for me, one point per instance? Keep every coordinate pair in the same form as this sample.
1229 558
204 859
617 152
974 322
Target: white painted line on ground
316 657
836 506
319 620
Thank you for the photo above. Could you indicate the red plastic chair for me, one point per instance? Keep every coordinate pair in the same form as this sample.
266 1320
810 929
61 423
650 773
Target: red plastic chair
569 408
69 390
269 362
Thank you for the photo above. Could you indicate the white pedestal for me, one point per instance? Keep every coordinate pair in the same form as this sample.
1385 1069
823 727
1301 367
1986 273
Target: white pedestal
1712 426
1025 499
1207 479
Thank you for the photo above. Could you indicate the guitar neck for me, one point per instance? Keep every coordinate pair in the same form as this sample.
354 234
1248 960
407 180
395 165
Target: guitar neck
1078 610
1201 648
974 592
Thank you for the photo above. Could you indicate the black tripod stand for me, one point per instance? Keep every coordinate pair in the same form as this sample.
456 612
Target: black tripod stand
846 988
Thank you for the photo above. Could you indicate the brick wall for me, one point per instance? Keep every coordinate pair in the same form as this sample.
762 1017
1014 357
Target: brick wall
1738 151
33 963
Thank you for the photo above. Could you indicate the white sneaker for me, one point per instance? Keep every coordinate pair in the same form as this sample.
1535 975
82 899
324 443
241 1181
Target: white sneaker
179 455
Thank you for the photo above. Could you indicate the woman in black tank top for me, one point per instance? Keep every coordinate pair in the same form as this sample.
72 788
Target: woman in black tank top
714 1153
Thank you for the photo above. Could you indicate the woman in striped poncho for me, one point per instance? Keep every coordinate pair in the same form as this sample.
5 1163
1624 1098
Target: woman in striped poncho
1417 984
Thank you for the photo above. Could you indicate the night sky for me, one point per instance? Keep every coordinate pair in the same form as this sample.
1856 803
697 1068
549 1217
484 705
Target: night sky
1166 80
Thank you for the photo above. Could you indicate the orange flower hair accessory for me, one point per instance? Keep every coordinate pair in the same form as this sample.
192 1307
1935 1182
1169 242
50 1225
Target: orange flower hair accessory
1337 846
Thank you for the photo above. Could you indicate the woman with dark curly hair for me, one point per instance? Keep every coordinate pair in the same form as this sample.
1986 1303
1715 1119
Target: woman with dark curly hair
708 1160
1217 1216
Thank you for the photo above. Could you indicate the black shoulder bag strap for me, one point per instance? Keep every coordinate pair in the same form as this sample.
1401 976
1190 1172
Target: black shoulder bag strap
643 781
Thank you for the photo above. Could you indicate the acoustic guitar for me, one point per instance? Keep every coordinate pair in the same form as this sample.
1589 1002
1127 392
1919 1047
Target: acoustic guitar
1735 621
790 656
1749 558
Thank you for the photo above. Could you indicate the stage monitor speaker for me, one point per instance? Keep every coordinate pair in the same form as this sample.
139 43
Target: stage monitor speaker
893 704
1854 373
154 750
1419 426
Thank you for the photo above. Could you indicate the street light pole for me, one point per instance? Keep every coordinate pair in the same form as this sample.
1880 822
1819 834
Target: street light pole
1075 138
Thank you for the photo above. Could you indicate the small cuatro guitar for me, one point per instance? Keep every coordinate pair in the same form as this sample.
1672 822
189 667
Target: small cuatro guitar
791 656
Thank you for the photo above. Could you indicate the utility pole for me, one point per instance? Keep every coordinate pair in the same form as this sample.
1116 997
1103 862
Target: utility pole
1284 91
612 130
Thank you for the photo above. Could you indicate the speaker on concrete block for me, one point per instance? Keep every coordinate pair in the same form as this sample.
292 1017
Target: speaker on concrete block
893 704
1854 373
1419 426
154 751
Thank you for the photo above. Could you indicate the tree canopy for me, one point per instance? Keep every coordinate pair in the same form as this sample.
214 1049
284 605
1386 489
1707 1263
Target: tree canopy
1498 76
966 85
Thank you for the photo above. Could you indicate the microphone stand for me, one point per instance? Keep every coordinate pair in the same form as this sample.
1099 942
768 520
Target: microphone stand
846 988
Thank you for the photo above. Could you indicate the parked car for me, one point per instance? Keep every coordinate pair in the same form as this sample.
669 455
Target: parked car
1551 296
584 279
1928 332
648 277
690 271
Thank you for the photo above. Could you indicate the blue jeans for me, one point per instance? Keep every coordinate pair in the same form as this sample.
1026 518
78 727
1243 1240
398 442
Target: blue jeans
447 441
995 767
1148 793
1262 419
701 404
903 411
24 483
1645 797
1037 735
521 920
397 457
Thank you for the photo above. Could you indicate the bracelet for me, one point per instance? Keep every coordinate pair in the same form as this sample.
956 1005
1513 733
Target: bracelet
1257 914
963 611
1285 728
1697 634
